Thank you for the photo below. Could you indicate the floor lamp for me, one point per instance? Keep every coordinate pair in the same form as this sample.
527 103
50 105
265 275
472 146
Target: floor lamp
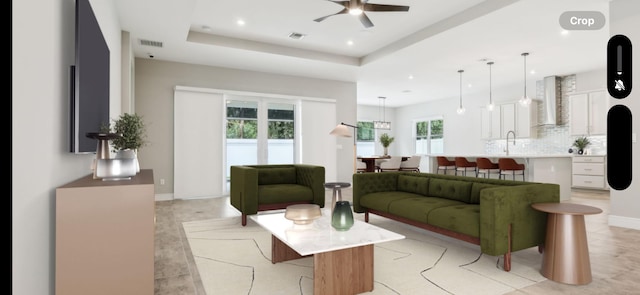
342 131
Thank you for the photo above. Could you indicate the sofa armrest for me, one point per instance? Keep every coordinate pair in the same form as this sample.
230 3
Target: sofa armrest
511 205
244 189
313 177
366 183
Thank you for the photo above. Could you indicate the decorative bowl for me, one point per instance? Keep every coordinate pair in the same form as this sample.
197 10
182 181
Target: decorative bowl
303 213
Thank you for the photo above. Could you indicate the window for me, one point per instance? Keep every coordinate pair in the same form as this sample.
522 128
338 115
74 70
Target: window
281 123
429 136
366 136
242 121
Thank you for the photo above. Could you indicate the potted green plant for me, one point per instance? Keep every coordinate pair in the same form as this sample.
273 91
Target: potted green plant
386 141
581 143
133 135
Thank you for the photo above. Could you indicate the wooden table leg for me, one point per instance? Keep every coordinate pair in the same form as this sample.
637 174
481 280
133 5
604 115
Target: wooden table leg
281 252
347 271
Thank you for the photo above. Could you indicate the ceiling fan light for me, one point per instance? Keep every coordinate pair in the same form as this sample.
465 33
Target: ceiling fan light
355 11
490 107
461 110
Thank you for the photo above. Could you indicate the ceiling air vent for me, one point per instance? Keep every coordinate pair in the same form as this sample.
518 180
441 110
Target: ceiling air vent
151 43
296 36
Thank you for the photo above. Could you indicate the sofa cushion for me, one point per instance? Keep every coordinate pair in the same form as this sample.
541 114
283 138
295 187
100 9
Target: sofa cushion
463 219
418 208
413 184
476 187
380 201
282 193
450 189
284 175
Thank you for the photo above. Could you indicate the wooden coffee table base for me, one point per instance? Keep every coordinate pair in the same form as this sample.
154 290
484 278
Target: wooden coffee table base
346 271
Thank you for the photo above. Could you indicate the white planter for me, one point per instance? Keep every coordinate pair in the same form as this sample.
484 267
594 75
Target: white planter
129 154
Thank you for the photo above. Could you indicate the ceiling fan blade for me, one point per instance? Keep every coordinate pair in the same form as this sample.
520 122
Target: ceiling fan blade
343 11
383 7
364 19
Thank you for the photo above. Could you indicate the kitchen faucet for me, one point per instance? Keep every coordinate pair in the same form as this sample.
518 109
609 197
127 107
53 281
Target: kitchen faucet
514 140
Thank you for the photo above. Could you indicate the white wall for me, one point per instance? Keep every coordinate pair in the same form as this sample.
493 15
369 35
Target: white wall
42 51
625 204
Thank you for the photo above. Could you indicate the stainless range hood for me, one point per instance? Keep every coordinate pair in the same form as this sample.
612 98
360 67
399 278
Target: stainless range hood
551 102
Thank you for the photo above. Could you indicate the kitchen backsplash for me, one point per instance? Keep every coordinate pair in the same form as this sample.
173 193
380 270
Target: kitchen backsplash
551 140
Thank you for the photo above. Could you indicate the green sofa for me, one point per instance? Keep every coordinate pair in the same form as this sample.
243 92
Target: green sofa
495 214
268 187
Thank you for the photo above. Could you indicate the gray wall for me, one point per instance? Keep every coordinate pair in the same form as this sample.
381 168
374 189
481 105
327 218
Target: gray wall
42 51
155 82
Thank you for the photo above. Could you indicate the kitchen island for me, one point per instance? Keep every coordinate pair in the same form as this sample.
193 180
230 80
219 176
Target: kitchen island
554 168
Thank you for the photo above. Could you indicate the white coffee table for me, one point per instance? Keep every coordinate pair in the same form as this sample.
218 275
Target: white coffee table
342 260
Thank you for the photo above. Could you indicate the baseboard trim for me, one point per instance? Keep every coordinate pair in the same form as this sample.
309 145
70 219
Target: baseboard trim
164 197
626 222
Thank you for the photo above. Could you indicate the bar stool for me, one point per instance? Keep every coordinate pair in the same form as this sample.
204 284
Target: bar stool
486 167
509 166
463 165
445 164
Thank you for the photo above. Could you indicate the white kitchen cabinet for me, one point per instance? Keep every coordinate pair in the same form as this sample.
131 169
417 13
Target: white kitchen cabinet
588 112
589 172
508 117
527 120
490 123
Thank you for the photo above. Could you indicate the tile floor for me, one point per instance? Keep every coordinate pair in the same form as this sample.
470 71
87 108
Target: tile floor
614 251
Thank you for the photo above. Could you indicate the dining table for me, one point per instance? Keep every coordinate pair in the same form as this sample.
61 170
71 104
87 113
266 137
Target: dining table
371 161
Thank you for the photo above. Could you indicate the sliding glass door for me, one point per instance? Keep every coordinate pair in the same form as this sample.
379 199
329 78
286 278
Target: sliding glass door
259 131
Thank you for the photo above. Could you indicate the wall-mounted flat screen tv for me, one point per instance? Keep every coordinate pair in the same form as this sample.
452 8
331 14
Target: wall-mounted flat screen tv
89 107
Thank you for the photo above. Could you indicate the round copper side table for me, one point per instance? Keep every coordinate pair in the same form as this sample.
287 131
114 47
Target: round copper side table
337 193
566 253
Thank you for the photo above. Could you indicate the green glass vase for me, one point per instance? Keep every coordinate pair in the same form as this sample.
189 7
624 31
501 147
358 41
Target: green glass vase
342 217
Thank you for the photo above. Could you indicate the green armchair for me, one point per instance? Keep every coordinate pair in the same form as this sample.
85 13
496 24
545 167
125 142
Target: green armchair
268 187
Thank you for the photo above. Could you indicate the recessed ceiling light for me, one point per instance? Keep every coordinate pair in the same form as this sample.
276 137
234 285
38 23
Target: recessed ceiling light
410 77
240 22
349 42
533 72
469 85
564 32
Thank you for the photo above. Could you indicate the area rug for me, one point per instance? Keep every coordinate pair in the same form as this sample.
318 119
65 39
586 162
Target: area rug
232 259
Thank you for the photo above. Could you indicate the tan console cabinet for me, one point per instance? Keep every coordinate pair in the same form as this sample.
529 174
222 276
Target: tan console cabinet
105 236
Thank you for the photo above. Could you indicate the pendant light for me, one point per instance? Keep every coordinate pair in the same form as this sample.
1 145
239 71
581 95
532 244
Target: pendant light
382 124
525 100
460 109
490 105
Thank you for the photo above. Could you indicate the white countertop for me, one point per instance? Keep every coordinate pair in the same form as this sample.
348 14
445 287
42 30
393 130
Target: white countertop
515 156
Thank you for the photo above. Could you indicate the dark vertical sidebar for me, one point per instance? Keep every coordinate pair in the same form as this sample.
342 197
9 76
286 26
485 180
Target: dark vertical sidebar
619 117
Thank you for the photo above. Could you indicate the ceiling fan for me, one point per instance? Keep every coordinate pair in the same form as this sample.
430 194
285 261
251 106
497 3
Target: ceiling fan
358 7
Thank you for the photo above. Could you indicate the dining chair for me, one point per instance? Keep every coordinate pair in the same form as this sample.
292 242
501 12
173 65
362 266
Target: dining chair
378 162
445 164
486 167
392 164
509 166
411 164
463 165
361 166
